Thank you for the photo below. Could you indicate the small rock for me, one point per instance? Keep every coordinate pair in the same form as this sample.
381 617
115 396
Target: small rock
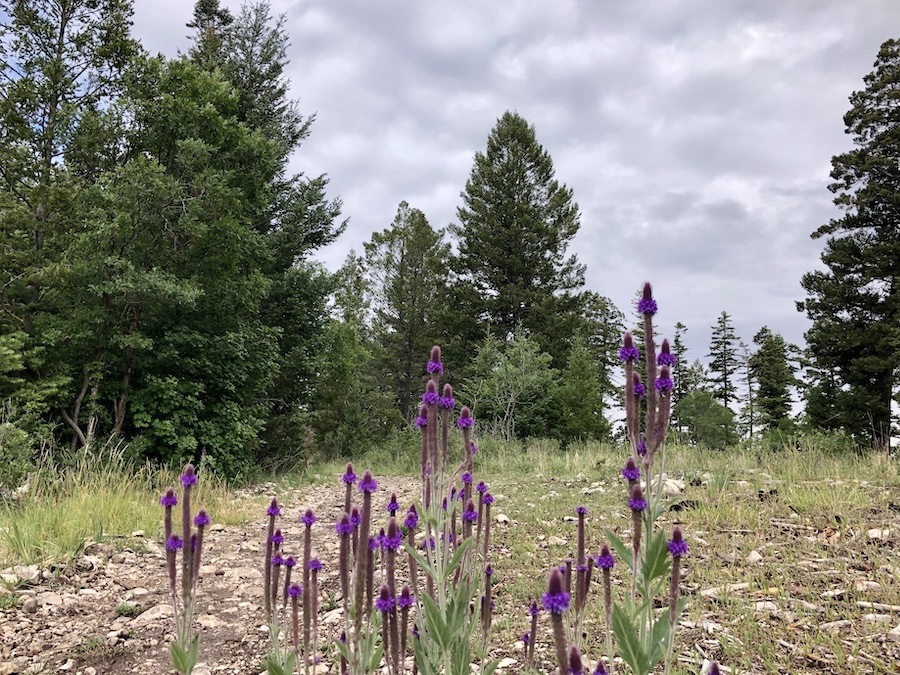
210 621
894 634
90 670
556 541
502 519
765 606
217 527
754 557
506 663
866 585
251 546
138 534
835 627
68 665
833 594
878 618
30 606
878 533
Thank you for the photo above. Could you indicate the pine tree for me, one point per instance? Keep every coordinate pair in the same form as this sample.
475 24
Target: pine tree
771 368
515 226
855 304
724 362
680 390
405 266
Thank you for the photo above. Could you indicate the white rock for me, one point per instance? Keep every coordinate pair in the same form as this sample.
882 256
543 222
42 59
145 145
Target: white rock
160 611
878 533
878 618
502 519
556 541
210 621
754 557
894 634
866 585
506 663
835 627
765 606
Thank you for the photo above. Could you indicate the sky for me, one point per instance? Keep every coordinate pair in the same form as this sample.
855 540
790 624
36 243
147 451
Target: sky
697 136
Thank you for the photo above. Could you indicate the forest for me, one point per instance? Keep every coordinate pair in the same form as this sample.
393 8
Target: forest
159 284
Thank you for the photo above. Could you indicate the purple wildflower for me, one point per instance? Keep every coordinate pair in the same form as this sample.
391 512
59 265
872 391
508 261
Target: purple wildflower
581 510
168 499
188 478
481 487
575 665
421 421
465 420
639 389
641 448
647 304
628 352
526 637
289 562
393 506
273 509
355 518
534 610
412 518
295 590
405 599
600 669
713 668
637 501
555 600
447 402
631 471
277 538
430 397
428 544
201 519
474 448
487 498
677 545
308 518
193 542
368 483
470 515
434 364
466 478
277 560
349 477
315 564
666 357
374 543
174 543
664 381
488 571
393 539
605 560
344 526
384 603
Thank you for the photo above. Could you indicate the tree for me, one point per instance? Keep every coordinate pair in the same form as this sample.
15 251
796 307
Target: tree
707 421
855 304
748 411
679 351
723 363
577 402
405 265
774 373
515 226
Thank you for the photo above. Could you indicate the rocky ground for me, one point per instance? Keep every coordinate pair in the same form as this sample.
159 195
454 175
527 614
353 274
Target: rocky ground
111 612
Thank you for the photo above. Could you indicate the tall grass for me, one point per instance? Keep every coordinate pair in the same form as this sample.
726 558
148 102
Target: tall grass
97 496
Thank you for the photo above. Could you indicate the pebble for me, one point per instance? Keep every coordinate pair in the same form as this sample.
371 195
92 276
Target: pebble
754 557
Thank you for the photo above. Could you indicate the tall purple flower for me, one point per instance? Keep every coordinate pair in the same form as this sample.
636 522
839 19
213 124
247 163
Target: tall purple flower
308 518
647 305
412 518
430 397
349 477
384 603
368 483
677 545
628 352
465 420
169 499
575 665
664 381
393 506
556 601
636 502
631 472
665 357
434 364
188 478
639 389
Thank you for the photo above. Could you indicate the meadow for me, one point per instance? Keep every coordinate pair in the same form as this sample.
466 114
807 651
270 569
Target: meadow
793 563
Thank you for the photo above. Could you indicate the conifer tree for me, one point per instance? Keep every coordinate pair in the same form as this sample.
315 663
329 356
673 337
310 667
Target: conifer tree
723 364
774 374
855 303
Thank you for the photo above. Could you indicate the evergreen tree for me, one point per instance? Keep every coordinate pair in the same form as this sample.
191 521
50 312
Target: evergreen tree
855 304
679 350
723 364
577 402
515 226
405 265
774 374
748 412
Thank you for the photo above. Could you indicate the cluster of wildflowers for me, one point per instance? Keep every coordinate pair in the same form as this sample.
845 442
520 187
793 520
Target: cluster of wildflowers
185 651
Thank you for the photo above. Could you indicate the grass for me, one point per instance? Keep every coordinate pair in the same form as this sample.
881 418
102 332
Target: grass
98 497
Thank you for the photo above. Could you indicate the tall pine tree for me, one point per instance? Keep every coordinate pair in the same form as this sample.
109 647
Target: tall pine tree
774 374
855 304
724 363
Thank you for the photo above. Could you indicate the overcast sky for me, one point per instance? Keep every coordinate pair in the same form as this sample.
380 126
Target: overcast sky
697 136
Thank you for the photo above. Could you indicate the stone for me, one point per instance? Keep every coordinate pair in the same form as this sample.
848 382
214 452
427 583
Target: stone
863 585
502 519
754 557
765 606
556 541
835 627
894 634
877 533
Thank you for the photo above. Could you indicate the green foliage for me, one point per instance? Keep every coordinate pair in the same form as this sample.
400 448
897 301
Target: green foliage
855 304
508 392
773 372
724 362
577 403
17 456
706 421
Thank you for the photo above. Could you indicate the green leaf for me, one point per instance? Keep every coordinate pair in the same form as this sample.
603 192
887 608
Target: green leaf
423 564
659 638
658 562
434 622
625 552
458 555
629 643
375 659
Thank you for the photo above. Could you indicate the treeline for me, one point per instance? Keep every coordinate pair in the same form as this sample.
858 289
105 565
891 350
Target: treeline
158 283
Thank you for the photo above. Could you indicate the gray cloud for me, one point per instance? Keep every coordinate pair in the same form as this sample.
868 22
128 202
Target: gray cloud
697 136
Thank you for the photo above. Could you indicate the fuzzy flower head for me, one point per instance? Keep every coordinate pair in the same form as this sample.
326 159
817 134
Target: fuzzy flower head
430 397
677 545
533 609
639 389
481 487
447 401
174 543
581 510
605 561
289 562
295 590
273 509
470 515
405 600
434 363
169 499
349 477
355 518
647 305
393 506
628 352
465 420
344 526
315 564
664 381
188 478
277 538
555 600
277 560
422 419
641 448
474 448
600 669
631 472
308 518
466 478
368 483
637 502
665 357
575 665
201 519
412 518
526 637
393 539
487 498
713 668
384 603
